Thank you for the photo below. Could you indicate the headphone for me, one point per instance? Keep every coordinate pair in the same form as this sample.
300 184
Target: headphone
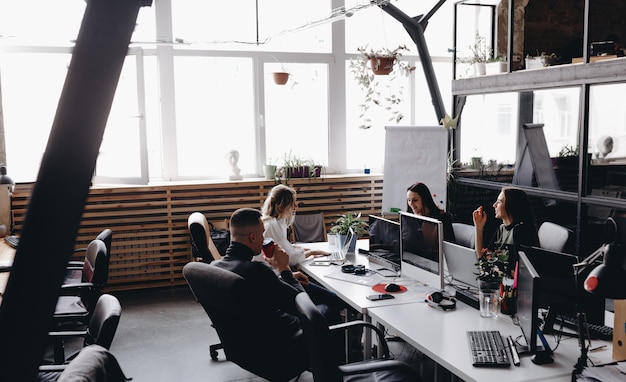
437 299
358 270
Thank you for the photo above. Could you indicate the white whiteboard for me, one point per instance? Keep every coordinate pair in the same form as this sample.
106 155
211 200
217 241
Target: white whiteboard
414 154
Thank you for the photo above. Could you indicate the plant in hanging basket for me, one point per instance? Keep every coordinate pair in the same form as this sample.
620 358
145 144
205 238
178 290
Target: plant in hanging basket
281 78
364 69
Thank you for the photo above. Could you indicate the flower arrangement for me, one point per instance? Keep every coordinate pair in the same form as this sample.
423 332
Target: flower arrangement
493 266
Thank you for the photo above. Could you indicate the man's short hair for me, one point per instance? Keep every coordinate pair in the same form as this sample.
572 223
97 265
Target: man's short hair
245 218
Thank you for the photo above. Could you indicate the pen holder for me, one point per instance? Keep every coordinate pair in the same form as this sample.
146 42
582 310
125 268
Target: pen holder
508 305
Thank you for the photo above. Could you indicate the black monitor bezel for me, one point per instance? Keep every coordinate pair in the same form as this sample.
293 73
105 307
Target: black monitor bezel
528 313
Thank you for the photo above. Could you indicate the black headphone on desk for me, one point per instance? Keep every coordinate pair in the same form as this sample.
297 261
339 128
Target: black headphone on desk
358 270
439 300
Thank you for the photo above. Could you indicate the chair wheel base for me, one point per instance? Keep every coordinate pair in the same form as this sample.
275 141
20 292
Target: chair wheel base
213 351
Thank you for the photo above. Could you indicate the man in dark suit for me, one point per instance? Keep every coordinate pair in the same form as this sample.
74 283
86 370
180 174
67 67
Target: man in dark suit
274 295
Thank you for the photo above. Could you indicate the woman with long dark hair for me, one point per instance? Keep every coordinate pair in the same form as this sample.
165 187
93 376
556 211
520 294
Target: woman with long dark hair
518 221
420 202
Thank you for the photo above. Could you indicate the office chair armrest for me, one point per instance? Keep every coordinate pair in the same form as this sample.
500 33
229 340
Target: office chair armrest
68 333
380 336
366 367
77 286
52 368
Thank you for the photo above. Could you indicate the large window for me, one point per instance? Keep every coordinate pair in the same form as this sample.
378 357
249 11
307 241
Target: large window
197 83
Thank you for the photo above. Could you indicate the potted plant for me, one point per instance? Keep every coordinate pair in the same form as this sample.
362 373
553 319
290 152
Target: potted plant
294 166
541 60
281 78
342 226
492 267
269 169
568 156
479 53
495 65
383 61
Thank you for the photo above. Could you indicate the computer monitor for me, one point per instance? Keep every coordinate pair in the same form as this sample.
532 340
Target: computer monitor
384 242
421 248
528 286
562 292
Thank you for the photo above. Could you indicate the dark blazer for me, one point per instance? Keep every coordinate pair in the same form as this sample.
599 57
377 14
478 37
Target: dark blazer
274 296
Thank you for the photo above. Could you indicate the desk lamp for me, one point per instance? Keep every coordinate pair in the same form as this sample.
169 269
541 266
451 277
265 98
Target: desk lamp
607 280
5 197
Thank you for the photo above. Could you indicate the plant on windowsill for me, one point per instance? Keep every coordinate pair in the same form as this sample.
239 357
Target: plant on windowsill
294 166
541 60
568 156
365 68
479 55
495 65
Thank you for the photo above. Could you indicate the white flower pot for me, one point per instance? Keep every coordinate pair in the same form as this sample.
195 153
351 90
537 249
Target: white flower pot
479 68
495 67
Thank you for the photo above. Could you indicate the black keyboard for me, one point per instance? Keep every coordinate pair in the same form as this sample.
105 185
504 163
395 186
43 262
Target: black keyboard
12 240
596 331
487 348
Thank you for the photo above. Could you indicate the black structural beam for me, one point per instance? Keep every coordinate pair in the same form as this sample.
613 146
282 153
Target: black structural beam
54 212
415 28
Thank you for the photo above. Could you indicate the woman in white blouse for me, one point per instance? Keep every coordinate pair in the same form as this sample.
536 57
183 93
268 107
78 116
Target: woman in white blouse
278 211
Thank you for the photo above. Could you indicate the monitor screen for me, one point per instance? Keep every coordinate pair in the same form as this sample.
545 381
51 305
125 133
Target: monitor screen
561 290
384 241
528 301
421 246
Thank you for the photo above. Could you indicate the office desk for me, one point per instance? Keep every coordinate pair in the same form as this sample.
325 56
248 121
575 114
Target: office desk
354 294
442 337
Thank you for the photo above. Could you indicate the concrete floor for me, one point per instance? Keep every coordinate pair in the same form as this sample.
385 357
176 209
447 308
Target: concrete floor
164 336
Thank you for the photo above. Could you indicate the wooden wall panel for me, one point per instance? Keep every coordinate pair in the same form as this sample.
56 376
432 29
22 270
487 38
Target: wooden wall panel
149 223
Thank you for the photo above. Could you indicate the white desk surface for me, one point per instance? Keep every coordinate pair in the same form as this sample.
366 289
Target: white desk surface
355 294
442 337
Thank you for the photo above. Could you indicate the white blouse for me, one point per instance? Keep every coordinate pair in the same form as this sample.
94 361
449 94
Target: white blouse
277 230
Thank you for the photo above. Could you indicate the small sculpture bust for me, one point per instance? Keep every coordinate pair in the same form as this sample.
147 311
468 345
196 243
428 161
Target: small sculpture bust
233 159
605 146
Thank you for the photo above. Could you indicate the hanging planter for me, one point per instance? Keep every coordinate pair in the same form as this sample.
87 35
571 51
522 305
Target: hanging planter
382 65
382 61
281 78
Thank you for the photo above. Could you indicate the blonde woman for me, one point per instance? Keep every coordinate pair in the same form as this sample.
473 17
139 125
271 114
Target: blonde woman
279 211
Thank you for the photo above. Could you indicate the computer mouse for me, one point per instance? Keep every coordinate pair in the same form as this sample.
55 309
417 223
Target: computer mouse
391 287
542 358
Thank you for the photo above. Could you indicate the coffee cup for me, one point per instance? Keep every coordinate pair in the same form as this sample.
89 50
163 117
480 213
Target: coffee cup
268 247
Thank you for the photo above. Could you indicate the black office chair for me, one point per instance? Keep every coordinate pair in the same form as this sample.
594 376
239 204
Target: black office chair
75 268
238 319
94 363
326 369
101 331
77 301
202 247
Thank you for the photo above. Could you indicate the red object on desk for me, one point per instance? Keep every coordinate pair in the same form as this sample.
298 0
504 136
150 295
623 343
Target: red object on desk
380 288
